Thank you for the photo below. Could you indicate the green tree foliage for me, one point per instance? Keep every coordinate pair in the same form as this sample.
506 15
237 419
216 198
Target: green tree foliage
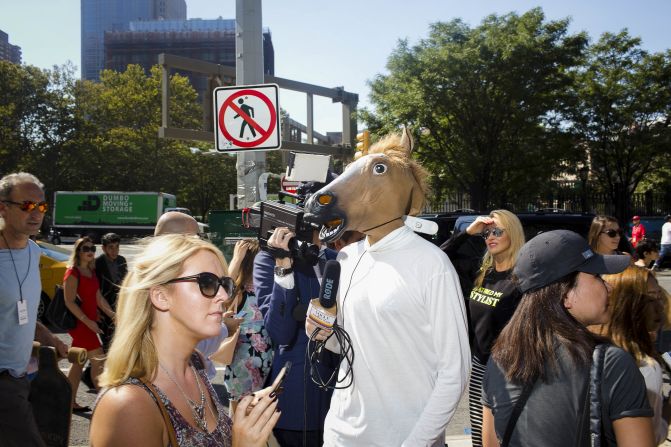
621 113
491 97
127 107
212 179
80 135
34 115
120 117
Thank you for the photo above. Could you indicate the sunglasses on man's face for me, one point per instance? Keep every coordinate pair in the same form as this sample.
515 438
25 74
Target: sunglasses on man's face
496 232
209 283
88 248
612 233
28 206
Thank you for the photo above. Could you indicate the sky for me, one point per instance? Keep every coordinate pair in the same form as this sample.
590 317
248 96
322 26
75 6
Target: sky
337 42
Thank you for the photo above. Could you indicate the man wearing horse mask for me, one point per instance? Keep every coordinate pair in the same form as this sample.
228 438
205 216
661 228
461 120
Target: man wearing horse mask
284 286
400 302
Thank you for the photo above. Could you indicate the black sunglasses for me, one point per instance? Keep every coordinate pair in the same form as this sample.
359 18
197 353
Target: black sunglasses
612 233
87 248
209 283
28 206
496 232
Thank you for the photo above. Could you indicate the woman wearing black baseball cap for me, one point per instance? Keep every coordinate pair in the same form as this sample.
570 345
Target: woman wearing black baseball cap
536 385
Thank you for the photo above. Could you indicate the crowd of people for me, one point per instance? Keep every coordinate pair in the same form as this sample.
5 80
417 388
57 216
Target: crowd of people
554 337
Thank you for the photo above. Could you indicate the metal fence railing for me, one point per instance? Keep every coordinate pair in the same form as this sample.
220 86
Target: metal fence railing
651 203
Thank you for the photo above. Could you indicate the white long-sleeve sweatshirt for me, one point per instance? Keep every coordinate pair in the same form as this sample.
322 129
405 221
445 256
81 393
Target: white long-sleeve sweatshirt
401 304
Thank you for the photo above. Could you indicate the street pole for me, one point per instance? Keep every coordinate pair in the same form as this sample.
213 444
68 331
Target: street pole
248 71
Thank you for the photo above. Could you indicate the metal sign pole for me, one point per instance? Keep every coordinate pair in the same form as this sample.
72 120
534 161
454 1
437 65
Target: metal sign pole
249 70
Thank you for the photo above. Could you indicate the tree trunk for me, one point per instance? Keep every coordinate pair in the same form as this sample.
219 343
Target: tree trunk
479 197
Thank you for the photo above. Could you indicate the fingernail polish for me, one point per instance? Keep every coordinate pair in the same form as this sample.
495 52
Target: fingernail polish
273 395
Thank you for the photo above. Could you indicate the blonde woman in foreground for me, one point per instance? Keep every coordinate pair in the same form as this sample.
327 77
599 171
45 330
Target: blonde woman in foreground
170 300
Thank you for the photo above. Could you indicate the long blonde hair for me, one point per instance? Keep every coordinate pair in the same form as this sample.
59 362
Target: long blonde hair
133 352
512 225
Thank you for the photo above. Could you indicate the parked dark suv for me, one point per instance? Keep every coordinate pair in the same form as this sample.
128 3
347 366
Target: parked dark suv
542 221
533 223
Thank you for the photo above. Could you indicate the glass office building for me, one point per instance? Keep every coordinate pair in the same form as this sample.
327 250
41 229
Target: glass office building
9 52
211 40
99 16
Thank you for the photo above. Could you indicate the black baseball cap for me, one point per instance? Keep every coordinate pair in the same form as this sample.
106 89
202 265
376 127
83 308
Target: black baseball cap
550 256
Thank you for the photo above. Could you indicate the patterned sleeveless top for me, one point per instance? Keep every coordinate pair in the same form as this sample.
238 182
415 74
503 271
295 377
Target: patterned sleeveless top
187 435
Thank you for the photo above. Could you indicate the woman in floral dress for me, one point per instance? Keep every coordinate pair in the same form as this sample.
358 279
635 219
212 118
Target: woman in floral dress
253 354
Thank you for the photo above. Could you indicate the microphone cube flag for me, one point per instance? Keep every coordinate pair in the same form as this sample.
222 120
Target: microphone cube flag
320 316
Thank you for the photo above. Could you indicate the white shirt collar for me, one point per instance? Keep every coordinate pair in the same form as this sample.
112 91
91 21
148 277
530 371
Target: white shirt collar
390 241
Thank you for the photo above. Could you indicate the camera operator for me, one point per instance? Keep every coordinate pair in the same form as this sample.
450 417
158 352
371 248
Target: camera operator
284 285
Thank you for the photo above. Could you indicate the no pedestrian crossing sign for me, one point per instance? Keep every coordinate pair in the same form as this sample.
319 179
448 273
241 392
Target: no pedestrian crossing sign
247 117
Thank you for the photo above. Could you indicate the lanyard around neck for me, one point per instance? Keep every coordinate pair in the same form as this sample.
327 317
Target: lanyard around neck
16 271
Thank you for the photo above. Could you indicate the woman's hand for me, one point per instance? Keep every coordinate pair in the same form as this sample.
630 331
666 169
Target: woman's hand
253 429
240 248
232 324
92 325
479 225
239 252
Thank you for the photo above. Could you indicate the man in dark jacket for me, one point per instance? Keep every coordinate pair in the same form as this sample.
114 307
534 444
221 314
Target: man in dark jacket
284 287
111 269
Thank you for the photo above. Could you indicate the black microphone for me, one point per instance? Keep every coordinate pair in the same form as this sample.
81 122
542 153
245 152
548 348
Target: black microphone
330 282
322 310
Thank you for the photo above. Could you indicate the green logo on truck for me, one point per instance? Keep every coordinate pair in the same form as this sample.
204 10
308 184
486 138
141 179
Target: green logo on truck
108 209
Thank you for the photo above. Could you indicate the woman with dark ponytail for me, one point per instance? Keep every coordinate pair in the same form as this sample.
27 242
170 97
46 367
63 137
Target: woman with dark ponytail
535 389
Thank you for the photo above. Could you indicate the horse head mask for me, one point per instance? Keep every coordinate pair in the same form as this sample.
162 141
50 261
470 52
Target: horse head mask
374 192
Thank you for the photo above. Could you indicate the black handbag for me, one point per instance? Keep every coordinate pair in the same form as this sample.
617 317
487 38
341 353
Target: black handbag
58 313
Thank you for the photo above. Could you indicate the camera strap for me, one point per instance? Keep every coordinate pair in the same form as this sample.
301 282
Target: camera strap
278 252
300 309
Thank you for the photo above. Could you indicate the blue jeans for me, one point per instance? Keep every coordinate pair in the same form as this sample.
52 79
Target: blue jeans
665 249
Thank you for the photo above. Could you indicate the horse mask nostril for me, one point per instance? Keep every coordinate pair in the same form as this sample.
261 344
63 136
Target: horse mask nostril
324 199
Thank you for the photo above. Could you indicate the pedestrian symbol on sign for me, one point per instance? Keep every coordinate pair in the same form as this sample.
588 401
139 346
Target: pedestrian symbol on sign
248 114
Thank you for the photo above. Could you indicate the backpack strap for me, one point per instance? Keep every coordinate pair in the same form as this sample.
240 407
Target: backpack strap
172 435
517 410
596 379
582 434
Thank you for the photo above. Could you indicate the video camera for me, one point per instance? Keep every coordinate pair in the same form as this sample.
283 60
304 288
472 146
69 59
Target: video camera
313 171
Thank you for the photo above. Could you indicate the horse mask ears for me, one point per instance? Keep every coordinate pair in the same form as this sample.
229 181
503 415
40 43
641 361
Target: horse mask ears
407 142
416 200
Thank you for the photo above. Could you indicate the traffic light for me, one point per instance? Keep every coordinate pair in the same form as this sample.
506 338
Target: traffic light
363 143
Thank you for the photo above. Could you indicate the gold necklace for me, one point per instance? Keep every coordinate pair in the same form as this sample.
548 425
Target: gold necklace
198 411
